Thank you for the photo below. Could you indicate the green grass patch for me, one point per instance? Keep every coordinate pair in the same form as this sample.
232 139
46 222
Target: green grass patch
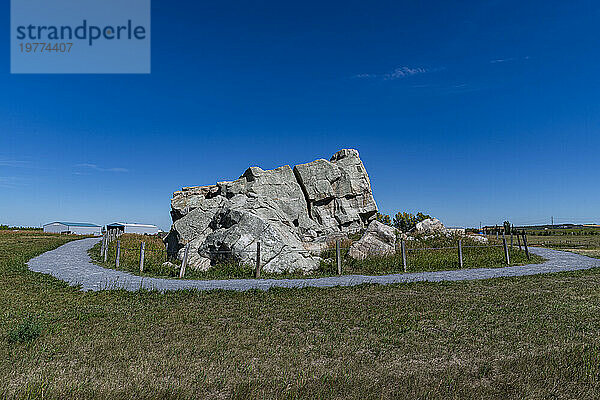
420 258
531 337
594 253
27 330
155 255
585 242
566 241
155 258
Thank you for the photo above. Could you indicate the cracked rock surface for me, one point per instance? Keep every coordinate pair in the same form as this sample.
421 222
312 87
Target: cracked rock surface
292 212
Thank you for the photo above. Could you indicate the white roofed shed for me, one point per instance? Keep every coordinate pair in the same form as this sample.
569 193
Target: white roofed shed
75 228
126 227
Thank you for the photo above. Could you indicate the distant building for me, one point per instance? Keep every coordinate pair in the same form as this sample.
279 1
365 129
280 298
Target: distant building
75 228
124 227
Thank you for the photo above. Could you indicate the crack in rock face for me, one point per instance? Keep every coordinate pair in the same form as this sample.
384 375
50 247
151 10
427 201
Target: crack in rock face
292 212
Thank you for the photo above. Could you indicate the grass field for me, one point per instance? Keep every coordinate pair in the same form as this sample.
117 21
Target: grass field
530 337
585 242
566 241
419 258
594 253
154 256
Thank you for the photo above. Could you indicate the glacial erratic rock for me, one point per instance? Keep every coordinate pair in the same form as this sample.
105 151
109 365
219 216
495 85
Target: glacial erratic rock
430 226
291 212
379 239
477 238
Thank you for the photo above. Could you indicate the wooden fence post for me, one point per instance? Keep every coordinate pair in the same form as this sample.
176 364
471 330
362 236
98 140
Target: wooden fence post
525 244
185 260
118 253
519 241
403 248
460 255
338 257
106 249
142 251
257 269
506 255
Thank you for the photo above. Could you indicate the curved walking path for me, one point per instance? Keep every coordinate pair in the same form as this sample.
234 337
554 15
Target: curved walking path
72 264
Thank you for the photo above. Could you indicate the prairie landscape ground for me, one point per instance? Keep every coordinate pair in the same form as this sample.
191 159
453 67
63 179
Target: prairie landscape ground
512 338
420 257
584 241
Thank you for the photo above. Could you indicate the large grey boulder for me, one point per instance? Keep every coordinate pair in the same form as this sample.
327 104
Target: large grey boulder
379 239
292 213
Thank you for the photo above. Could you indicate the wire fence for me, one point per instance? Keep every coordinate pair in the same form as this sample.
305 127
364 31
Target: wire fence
405 253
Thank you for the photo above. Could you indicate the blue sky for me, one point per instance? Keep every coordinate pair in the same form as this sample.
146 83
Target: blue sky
473 112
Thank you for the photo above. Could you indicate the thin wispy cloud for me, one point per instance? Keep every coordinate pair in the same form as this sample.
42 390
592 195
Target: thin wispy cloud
403 72
8 181
504 60
95 167
398 73
447 89
4 162
365 76
24 164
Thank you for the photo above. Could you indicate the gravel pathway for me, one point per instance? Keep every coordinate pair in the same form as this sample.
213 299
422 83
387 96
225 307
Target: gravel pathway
72 264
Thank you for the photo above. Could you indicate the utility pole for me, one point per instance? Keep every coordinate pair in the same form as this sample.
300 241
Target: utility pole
552 218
